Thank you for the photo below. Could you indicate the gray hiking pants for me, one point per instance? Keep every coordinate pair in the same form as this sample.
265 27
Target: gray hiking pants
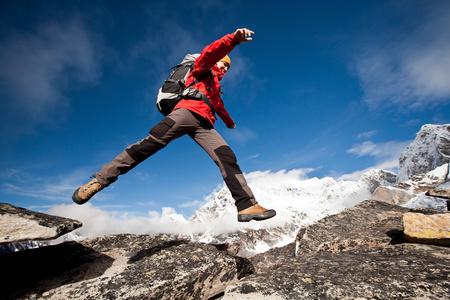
175 125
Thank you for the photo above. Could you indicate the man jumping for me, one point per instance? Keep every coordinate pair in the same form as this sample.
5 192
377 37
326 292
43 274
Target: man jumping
196 119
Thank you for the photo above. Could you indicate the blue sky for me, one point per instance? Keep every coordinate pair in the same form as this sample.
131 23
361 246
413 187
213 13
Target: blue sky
337 87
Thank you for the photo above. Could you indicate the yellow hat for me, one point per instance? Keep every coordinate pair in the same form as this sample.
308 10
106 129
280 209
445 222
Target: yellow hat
226 59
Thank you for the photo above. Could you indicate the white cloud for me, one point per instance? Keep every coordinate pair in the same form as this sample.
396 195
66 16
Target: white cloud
380 150
367 134
148 203
268 178
194 204
25 184
97 221
408 69
254 156
387 155
241 135
38 67
364 149
54 188
389 165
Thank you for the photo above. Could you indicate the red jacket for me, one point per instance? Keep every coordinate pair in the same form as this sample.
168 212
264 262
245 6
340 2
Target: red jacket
207 60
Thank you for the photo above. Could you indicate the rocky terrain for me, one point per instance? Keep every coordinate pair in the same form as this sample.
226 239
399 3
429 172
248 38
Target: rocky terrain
359 253
120 267
395 245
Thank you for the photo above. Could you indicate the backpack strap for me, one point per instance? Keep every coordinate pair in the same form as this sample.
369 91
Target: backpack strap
203 97
201 77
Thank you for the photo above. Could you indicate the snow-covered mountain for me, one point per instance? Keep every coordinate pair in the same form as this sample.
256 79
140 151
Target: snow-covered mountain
429 150
299 201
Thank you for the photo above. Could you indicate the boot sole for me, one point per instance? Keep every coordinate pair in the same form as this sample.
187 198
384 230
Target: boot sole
257 217
77 199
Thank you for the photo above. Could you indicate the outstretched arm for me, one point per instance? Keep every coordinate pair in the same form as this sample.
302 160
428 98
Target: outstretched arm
242 35
218 49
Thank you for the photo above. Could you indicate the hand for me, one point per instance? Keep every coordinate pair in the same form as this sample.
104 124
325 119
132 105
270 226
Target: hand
243 35
233 126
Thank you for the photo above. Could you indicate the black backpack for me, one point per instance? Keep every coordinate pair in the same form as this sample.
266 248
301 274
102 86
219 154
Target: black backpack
174 88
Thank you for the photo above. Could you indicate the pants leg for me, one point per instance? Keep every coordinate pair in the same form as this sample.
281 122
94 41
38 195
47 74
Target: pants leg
175 125
216 147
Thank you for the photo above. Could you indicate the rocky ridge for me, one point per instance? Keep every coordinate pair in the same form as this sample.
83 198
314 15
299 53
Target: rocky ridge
358 253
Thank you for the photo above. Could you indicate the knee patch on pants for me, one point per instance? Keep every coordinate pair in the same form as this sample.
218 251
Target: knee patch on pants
145 149
228 160
232 174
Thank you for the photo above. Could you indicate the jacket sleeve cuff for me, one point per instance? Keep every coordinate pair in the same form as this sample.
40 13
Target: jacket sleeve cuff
229 123
232 39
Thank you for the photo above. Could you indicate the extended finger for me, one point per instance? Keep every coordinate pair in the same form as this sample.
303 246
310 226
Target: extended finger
248 32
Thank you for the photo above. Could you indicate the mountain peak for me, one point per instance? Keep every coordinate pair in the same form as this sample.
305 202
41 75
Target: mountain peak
429 150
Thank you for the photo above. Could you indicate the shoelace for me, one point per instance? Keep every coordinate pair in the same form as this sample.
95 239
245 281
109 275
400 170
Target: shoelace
92 188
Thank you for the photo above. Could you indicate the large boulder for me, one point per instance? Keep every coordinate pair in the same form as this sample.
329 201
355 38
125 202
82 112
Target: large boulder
18 224
121 266
434 229
392 194
440 193
359 253
368 224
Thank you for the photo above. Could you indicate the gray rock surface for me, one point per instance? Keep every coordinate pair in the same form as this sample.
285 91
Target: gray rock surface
120 267
18 224
404 271
441 193
392 194
368 224
357 254
429 150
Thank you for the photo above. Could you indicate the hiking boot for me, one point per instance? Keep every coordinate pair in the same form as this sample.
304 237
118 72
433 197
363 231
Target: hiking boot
86 192
255 212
